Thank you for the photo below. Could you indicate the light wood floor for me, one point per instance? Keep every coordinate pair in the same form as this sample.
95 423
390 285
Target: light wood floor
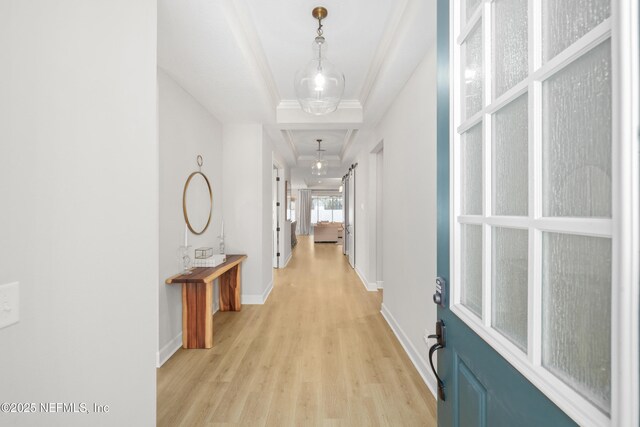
318 352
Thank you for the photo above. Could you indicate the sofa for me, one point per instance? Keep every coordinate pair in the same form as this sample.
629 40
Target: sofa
327 232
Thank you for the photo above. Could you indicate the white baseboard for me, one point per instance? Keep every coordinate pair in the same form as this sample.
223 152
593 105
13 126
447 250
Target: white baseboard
267 292
371 287
287 261
172 346
380 284
167 351
418 361
255 299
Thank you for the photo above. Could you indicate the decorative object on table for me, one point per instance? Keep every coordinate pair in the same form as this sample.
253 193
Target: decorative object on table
197 200
213 261
184 260
221 237
319 85
203 253
319 166
206 258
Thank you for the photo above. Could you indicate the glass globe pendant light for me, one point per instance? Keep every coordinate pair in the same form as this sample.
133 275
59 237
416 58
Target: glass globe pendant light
319 166
319 85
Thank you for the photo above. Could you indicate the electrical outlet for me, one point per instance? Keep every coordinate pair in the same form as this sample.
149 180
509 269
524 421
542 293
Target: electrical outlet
9 304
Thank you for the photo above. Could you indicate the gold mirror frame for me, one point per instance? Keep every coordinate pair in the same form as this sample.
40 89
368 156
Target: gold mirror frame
184 199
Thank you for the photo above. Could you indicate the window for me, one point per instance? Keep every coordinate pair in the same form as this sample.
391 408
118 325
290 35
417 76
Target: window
292 209
326 208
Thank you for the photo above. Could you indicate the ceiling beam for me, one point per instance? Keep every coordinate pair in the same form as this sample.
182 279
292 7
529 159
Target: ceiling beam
289 115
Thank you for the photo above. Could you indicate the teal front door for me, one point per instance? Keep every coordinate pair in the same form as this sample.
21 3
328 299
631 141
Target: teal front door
537 212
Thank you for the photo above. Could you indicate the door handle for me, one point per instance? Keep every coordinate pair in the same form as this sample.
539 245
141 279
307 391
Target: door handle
440 343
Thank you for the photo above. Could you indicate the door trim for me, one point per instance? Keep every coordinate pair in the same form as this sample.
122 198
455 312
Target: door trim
625 392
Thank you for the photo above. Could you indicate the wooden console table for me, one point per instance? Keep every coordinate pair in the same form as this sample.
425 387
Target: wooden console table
197 298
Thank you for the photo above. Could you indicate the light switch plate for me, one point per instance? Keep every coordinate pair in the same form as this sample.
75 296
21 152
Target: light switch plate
9 304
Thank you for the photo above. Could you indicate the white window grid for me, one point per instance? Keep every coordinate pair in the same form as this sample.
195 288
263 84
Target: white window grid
624 335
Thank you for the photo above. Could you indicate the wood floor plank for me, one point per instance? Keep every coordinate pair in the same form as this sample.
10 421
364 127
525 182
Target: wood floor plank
317 353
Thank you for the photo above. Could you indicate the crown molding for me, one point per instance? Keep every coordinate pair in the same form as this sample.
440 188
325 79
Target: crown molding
345 104
289 115
348 141
396 22
239 18
286 134
311 158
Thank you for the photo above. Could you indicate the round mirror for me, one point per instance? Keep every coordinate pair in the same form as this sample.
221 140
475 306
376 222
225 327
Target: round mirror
197 202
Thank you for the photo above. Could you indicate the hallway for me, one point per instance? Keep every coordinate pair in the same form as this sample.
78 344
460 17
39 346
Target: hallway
318 352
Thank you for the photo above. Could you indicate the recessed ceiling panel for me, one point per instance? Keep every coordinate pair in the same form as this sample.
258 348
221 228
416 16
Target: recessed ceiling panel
306 145
238 59
353 29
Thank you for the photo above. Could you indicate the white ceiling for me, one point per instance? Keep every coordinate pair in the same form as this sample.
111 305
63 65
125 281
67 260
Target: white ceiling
238 59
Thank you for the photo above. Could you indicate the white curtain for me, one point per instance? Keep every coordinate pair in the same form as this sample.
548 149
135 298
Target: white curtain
304 221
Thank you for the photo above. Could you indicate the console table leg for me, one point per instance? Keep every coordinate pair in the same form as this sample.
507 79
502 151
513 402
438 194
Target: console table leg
208 316
197 320
185 317
230 290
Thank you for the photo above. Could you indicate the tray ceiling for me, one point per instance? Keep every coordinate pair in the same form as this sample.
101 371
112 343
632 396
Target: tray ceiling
238 58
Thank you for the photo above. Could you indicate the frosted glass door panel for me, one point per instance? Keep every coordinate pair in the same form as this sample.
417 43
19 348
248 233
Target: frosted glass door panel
576 313
473 76
471 295
471 160
470 6
511 159
565 21
510 279
510 44
577 137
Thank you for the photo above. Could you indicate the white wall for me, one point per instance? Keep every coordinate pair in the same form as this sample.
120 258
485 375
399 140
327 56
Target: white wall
409 212
186 129
246 168
79 217
365 219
